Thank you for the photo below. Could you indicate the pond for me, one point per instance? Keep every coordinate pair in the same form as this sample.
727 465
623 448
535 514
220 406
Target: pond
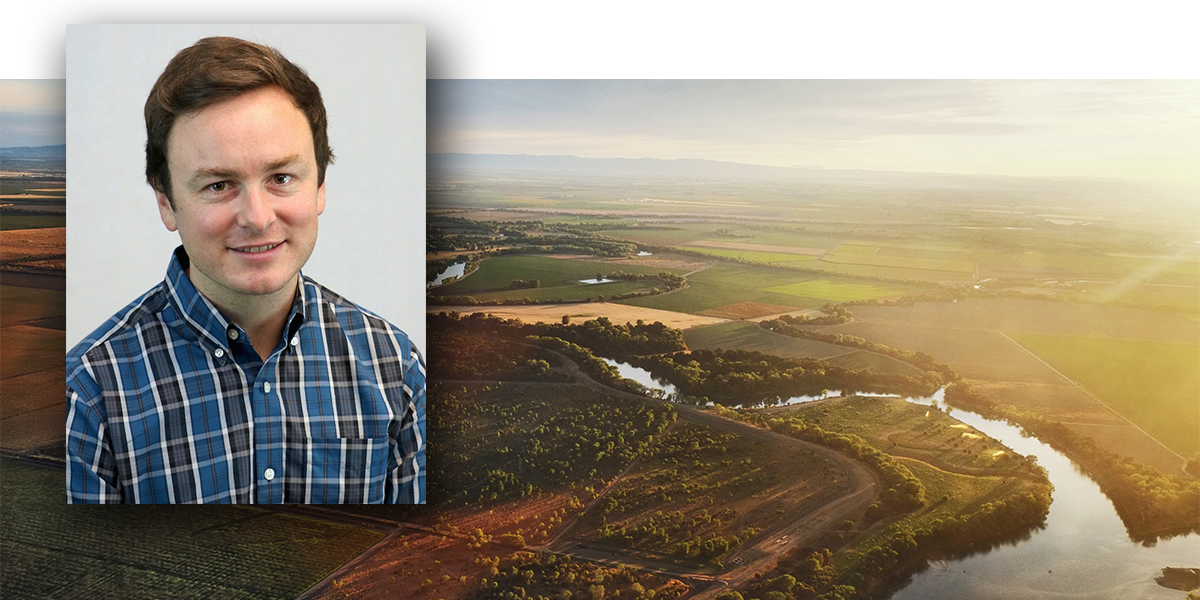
454 271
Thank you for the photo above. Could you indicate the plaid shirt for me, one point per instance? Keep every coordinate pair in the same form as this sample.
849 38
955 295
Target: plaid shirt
168 403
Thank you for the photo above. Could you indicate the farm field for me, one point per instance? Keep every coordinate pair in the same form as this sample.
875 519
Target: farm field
10 220
749 336
1184 269
51 550
32 358
559 278
22 304
730 284
765 248
1039 316
838 291
1154 384
975 354
887 272
726 284
771 258
898 262
585 311
889 247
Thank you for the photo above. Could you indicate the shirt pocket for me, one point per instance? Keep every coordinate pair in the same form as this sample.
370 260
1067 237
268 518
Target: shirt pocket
348 470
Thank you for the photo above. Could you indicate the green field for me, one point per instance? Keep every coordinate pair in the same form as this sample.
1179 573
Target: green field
899 262
854 249
762 257
1154 384
749 336
27 221
559 279
837 291
51 550
904 246
860 270
726 284
1183 270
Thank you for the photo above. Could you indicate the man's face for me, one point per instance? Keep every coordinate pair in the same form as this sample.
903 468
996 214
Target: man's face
244 182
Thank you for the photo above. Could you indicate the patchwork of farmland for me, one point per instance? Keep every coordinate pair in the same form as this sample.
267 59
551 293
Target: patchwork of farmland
559 279
1155 384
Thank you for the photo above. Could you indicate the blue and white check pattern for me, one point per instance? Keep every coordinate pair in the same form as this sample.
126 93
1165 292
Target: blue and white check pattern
167 402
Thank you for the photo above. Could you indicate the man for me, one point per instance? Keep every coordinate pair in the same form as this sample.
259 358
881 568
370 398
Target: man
238 379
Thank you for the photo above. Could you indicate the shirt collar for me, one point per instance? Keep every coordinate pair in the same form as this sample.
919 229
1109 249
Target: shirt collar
210 325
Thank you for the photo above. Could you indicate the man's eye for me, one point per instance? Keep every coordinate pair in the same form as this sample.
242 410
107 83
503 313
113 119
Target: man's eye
281 179
219 186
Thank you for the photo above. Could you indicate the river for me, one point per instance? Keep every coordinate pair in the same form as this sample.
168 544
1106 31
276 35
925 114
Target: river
1082 552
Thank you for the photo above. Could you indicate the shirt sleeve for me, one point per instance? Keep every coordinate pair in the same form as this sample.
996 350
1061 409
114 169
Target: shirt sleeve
406 482
91 465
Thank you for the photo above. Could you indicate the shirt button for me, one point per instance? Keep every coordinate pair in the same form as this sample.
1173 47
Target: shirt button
269 474
267 387
295 340
219 352
233 333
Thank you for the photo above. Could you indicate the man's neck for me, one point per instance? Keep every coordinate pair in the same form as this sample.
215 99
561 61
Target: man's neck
262 317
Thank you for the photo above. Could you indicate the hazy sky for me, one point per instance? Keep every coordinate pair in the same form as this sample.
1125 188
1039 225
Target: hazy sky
1146 130
32 112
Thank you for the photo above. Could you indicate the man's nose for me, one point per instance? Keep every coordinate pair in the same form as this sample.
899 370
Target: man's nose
256 211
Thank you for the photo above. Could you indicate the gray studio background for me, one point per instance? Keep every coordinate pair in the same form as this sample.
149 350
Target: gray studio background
371 240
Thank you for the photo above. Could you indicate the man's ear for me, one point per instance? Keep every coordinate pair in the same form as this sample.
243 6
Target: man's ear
165 212
321 198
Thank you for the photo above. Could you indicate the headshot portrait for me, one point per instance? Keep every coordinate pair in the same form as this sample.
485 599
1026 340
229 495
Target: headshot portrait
246 223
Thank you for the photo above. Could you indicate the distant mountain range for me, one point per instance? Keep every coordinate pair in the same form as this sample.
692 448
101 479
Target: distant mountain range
41 158
701 170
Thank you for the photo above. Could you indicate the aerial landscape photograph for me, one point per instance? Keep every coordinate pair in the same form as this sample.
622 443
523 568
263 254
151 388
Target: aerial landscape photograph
732 340
818 339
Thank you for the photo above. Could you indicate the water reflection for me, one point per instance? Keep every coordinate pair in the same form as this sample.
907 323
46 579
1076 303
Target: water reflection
454 271
1082 551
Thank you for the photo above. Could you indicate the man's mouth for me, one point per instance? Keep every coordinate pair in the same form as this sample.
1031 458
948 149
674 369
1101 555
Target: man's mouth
256 249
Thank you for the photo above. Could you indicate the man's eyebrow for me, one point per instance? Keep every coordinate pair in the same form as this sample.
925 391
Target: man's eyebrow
287 161
219 173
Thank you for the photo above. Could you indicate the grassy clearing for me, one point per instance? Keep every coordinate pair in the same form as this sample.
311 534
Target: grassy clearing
837 291
51 550
1154 384
880 363
749 336
913 431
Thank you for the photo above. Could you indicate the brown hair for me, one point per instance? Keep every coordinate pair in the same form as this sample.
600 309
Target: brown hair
219 68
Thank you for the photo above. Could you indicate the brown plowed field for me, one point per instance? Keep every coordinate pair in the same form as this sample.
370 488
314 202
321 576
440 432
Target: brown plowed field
585 311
